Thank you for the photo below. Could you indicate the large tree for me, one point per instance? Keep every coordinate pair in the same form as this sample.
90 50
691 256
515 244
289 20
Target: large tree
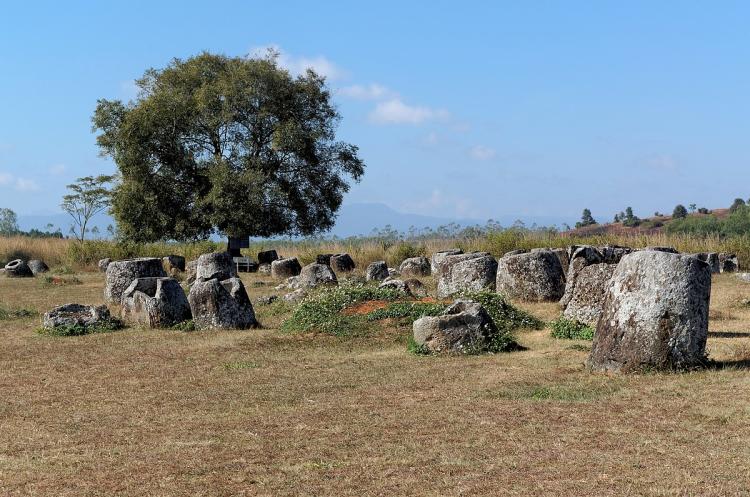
226 144
8 222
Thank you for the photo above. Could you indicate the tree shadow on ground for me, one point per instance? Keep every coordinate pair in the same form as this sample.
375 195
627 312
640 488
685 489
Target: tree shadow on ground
729 334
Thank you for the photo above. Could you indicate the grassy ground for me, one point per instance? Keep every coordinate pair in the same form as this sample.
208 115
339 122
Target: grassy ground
168 413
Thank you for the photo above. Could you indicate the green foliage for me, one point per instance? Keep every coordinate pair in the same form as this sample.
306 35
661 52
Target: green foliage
9 314
233 144
738 202
650 224
414 348
586 219
629 219
105 326
8 222
507 319
409 310
679 212
407 250
89 196
736 224
322 311
188 325
571 330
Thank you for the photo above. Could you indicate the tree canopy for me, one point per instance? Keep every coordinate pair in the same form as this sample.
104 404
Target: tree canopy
586 219
8 222
224 144
679 211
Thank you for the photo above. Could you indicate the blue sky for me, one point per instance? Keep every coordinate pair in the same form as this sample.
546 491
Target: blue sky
470 109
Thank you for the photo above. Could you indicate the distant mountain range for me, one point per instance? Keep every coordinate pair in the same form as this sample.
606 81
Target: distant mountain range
353 219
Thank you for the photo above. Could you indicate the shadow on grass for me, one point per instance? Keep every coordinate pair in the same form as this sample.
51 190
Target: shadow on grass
728 334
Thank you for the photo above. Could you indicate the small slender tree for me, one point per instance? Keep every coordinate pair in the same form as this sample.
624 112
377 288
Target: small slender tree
586 219
90 196
8 222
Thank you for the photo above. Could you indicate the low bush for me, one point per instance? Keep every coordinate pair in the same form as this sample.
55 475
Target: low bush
105 326
322 310
569 329
507 318
407 310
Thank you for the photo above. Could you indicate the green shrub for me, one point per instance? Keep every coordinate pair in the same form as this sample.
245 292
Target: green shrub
410 310
105 326
322 311
414 348
188 325
406 250
571 330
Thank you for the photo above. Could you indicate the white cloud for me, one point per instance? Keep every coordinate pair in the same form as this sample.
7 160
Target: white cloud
394 111
373 91
662 162
297 65
449 205
6 179
26 185
480 152
57 169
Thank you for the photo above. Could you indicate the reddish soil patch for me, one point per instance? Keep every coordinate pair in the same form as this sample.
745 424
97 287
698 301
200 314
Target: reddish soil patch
365 307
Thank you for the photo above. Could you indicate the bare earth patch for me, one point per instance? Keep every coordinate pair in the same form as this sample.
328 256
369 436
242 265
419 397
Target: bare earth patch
260 412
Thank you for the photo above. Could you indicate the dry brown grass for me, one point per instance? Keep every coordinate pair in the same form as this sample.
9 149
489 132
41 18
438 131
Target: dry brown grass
165 413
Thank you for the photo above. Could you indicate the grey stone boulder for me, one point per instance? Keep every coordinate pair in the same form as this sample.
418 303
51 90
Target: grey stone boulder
393 272
655 314
415 266
669 250
323 259
155 303
581 257
398 285
103 264
37 266
416 288
710 258
342 262
745 277
377 271
218 265
284 268
264 268
221 304
18 269
563 257
536 276
314 275
191 271
267 256
266 299
296 296
174 263
728 263
471 272
75 315
120 274
439 256
611 254
465 327
587 299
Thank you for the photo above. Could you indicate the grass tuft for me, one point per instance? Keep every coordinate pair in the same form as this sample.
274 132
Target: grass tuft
569 329
8 314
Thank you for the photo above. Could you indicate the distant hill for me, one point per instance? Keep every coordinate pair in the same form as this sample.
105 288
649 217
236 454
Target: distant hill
648 226
353 219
